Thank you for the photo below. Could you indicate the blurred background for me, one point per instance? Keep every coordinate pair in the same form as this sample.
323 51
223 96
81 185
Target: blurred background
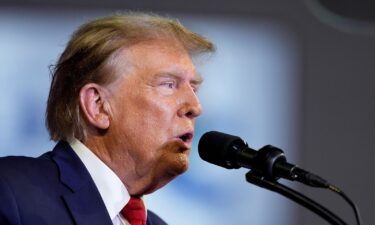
299 75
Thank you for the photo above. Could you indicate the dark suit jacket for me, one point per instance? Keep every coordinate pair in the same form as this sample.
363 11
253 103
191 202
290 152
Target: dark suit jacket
53 189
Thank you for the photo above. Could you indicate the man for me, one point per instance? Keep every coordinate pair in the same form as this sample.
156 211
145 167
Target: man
121 106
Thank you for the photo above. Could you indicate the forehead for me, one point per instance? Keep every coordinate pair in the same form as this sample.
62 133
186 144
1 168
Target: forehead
166 56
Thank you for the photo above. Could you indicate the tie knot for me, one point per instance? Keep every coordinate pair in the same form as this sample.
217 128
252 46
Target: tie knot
134 212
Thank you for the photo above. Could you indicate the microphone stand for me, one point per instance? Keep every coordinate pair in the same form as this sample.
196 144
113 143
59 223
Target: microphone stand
273 185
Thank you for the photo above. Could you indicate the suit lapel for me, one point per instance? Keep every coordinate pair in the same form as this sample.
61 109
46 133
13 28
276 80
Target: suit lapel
84 202
148 221
87 207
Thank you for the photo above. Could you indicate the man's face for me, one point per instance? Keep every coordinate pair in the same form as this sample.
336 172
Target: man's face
153 108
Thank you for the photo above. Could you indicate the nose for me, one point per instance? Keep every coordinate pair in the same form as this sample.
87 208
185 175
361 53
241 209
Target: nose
190 106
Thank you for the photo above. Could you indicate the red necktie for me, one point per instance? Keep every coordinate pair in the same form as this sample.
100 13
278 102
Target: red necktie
134 212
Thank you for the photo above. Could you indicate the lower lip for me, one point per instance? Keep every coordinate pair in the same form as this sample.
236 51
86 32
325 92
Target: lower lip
184 144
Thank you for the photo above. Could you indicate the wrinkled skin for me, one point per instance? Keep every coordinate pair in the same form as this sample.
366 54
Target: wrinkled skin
151 107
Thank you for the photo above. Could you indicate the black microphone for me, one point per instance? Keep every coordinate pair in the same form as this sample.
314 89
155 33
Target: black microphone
232 152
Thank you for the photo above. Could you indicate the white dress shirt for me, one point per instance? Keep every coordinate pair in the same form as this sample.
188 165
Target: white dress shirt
111 189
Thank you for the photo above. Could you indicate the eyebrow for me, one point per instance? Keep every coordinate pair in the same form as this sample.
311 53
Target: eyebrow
197 80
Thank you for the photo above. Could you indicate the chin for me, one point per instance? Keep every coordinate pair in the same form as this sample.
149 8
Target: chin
176 170
182 165
163 178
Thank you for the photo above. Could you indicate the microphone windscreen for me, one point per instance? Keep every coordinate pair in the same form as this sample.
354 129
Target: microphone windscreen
216 148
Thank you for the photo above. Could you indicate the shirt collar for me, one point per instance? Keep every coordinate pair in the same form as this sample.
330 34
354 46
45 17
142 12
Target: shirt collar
112 190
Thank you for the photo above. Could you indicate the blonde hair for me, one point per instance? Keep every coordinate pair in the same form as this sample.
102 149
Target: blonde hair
86 60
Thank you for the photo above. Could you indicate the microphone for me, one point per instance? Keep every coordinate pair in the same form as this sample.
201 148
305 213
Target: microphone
232 152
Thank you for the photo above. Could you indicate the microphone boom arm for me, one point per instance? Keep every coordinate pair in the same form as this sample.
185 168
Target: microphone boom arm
295 196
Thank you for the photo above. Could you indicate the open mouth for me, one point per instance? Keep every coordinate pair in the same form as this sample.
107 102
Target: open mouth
187 137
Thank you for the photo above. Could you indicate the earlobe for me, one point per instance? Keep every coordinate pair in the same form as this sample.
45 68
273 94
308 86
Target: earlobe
94 107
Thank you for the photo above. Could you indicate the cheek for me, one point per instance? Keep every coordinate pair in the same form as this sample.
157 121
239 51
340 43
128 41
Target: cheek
145 118
151 121
155 113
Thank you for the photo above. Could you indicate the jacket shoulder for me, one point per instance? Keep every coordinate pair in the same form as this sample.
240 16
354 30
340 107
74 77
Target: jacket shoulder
12 166
17 175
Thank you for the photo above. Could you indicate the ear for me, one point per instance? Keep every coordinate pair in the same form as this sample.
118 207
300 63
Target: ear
94 105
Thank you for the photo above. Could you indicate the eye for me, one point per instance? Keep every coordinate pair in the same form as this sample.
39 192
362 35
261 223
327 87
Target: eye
169 84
